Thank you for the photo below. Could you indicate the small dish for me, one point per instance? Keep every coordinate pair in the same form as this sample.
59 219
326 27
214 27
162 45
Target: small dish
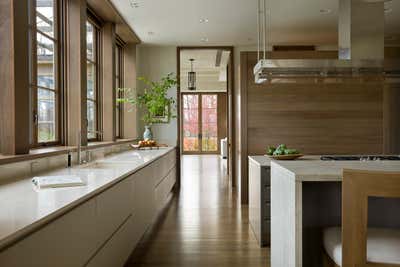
286 157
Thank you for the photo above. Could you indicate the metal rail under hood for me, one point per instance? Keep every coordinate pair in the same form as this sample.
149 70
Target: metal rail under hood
268 69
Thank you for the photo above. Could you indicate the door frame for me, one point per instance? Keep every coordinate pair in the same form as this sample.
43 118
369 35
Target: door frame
230 106
200 120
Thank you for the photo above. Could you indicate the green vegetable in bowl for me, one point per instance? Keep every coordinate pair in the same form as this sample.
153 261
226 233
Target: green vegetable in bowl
281 150
289 151
271 150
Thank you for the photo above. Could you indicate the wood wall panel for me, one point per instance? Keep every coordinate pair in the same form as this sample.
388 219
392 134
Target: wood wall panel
14 78
108 84
391 118
335 116
316 118
76 72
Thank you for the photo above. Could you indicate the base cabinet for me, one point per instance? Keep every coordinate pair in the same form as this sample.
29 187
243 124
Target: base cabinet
68 241
118 249
103 231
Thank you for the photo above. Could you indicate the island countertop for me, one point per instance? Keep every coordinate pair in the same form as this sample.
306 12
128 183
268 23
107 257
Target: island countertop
23 208
311 168
305 194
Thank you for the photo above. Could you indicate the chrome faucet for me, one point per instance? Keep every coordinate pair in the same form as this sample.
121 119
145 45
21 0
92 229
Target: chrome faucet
79 150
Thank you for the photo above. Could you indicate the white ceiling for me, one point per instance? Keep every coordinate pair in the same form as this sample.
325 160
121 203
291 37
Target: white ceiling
208 76
233 22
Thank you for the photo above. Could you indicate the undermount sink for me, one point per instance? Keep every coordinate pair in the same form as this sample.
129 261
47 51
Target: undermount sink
107 165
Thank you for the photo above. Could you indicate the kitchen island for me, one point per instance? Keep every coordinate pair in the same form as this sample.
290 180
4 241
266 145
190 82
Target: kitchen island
306 197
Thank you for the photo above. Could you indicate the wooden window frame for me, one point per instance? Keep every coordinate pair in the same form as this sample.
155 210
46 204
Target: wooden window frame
34 88
97 25
119 76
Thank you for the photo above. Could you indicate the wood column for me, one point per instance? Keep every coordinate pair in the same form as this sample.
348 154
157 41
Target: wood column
391 119
76 72
130 112
108 85
14 77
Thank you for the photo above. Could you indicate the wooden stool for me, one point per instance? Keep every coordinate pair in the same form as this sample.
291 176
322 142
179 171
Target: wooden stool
383 244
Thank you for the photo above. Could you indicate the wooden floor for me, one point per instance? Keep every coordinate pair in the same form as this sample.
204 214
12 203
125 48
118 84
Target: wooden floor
203 225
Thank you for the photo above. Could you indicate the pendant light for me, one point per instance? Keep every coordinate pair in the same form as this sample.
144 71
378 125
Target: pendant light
262 31
191 77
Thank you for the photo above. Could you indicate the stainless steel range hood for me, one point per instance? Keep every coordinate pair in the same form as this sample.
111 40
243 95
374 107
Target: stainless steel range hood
361 48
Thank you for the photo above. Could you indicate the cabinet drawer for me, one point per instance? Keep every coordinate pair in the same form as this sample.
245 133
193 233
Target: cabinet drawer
164 188
118 249
113 208
68 241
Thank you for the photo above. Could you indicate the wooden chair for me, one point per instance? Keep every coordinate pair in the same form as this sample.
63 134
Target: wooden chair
383 244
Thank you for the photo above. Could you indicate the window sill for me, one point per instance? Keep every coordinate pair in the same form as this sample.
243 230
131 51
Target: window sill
56 150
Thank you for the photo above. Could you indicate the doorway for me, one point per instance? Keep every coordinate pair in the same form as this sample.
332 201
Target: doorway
203 122
205 102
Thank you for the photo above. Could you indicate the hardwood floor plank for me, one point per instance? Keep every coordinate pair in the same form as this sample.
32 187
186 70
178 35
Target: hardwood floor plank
203 224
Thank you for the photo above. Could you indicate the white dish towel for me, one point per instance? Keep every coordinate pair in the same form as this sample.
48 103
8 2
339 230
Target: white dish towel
57 181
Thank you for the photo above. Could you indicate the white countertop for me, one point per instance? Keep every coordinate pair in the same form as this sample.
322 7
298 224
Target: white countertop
311 168
23 208
262 161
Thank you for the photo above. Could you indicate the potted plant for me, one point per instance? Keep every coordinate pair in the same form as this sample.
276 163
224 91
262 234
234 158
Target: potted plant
157 106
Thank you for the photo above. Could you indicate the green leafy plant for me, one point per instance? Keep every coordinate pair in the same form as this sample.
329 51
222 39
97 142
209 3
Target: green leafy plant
158 107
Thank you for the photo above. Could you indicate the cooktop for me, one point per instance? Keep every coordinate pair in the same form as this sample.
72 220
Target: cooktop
361 157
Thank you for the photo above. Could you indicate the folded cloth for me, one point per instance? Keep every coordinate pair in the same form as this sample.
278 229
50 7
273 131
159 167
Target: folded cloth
57 181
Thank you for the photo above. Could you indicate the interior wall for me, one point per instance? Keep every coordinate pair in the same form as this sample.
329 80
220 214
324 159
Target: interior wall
155 62
334 117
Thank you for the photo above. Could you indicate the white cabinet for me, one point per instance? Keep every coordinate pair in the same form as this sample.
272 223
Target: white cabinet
113 208
144 198
118 249
68 241
163 189
103 231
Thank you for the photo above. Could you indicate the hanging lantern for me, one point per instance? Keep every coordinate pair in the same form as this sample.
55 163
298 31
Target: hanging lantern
191 77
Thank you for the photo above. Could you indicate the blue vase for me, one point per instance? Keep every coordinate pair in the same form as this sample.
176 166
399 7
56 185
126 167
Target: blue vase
147 135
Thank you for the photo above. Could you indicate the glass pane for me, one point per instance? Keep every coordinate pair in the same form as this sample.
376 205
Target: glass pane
91 118
46 116
91 80
90 41
45 62
209 123
45 16
190 123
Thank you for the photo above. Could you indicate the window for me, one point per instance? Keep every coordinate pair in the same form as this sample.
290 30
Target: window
92 96
119 83
44 70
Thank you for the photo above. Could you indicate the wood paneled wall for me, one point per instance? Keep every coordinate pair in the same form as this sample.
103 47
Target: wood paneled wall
76 72
108 84
335 116
14 78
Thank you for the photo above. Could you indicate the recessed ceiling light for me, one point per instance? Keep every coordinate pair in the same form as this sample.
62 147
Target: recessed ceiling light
204 20
325 11
204 39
